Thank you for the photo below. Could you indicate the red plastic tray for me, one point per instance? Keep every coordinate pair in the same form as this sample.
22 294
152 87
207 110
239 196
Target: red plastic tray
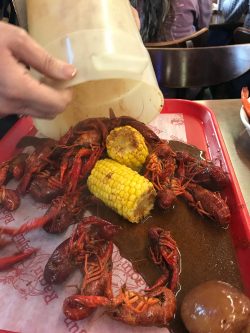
202 130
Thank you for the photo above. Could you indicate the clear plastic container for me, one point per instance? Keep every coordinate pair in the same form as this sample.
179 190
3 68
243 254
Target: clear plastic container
114 70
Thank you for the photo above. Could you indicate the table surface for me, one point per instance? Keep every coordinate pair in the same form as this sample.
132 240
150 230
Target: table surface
236 139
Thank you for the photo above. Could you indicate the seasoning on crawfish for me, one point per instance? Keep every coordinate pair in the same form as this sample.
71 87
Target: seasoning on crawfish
91 251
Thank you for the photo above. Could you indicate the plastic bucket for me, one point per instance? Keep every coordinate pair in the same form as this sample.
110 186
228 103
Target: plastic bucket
114 69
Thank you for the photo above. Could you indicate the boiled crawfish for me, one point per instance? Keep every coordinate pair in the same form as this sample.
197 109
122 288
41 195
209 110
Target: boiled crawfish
207 203
7 262
70 254
12 168
160 169
35 163
46 186
89 249
164 252
160 165
97 280
156 307
201 171
40 158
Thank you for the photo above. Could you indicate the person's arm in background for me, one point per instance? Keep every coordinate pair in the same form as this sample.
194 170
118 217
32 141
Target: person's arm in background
232 10
205 13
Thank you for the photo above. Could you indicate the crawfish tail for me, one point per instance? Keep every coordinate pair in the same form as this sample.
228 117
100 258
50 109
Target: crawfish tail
6 262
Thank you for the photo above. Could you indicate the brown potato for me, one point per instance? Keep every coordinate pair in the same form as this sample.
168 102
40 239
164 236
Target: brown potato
215 307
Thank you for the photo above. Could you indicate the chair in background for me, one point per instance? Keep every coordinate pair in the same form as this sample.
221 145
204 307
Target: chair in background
241 35
186 68
197 39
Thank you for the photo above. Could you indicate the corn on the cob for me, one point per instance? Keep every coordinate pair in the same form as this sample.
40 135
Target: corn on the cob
127 146
122 189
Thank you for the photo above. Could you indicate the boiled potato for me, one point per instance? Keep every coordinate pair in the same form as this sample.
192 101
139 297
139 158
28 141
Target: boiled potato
215 307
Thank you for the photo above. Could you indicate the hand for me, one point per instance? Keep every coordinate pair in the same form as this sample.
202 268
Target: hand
136 17
19 92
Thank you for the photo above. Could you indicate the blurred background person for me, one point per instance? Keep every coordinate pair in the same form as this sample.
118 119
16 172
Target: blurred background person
233 10
165 20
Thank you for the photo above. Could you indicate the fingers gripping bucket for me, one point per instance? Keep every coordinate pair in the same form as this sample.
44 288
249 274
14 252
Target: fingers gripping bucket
114 69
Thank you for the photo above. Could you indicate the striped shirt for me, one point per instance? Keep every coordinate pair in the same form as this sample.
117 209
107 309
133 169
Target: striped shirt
232 11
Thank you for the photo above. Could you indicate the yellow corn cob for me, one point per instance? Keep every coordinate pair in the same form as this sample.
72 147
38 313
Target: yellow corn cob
127 146
122 189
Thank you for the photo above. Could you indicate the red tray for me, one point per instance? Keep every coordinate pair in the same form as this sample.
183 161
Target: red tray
202 130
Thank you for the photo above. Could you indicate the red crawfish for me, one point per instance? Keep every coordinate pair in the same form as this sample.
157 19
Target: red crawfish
97 280
70 254
46 186
160 165
167 196
90 250
160 168
91 133
7 262
81 170
154 308
43 155
207 203
35 163
201 171
164 253
63 211
12 168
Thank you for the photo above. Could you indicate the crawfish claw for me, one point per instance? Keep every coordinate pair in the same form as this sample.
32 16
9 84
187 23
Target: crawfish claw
7 262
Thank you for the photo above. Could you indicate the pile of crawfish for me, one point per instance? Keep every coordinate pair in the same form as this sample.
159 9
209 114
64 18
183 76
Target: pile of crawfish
89 249
55 173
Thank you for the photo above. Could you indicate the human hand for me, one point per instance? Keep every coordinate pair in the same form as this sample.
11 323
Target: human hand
19 92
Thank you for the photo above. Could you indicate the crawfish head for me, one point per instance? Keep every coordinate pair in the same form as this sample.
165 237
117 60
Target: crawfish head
166 198
163 150
44 188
